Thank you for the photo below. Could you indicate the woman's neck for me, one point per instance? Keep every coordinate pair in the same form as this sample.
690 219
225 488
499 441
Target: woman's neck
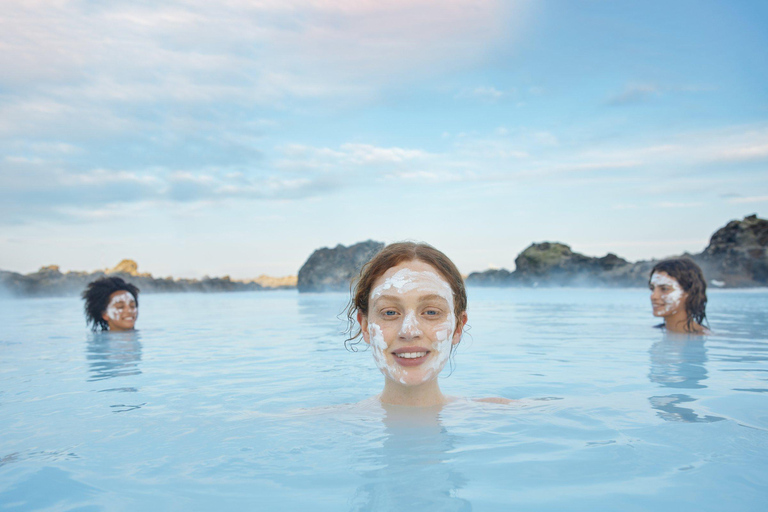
678 322
423 395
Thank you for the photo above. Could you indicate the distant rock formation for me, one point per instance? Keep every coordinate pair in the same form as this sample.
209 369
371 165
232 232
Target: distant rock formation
555 264
285 282
737 256
50 281
128 267
333 269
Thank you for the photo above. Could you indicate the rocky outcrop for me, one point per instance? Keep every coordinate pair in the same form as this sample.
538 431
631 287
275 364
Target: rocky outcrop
285 282
128 267
50 281
333 269
555 264
737 256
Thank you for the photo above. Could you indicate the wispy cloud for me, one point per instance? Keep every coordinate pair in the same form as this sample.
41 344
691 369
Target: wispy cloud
757 151
673 204
486 93
750 199
634 93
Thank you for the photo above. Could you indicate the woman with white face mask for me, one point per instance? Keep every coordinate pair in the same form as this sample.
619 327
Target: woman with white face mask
679 295
409 305
111 304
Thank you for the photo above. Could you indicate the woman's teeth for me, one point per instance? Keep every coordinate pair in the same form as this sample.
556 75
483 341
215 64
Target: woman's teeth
412 355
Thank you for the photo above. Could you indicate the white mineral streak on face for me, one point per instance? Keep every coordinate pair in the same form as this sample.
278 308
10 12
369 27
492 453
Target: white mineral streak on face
379 350
671 299
410 326
112 311
441 348
426 282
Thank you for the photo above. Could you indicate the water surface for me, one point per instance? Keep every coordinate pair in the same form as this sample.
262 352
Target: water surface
242 402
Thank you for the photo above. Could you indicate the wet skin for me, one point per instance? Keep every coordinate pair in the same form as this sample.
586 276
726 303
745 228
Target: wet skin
121 312
411 326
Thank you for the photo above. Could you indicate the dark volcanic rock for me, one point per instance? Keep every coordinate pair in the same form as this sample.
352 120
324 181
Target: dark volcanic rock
555 264
493 277
333 269
737 254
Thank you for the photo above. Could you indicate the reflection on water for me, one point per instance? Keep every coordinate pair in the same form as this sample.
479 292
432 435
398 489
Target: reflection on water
412 469
679 361
48 488
113 354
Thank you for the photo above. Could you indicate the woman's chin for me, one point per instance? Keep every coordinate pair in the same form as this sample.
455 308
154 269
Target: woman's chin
410 376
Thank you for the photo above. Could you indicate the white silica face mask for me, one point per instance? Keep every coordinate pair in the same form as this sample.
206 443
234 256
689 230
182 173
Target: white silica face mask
112 311
426 283
672 299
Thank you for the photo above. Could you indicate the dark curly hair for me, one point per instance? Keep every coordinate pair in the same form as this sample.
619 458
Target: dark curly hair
96 297
391 256
691 279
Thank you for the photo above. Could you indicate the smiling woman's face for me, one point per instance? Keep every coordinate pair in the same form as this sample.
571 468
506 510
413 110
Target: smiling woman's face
667 296
121 312
411 323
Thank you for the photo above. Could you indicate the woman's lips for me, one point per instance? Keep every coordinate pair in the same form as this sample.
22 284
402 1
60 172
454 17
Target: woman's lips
409 356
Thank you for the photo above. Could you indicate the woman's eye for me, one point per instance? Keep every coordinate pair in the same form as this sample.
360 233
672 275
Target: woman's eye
390 313
431 312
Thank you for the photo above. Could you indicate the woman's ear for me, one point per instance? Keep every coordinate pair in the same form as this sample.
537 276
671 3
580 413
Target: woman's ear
460 329
363 321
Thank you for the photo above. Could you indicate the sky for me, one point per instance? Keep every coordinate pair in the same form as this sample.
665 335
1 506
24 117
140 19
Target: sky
236 137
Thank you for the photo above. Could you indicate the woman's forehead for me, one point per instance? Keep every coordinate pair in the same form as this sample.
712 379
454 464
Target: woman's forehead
662 277
120 295
412 276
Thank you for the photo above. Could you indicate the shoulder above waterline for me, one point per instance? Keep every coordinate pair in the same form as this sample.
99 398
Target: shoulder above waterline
496 400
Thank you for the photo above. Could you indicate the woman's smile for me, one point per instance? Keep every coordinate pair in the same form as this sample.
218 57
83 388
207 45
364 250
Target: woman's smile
410 356
411 323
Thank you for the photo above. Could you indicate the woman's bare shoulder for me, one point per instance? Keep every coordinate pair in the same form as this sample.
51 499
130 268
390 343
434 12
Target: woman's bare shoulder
496 400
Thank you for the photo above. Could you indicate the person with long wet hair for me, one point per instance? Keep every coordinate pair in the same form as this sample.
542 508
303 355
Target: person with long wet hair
111 304
409 305
679 295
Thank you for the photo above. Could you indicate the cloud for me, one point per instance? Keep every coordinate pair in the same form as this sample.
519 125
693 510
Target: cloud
487 93
672 204
50 185
633 94
750 199
756 151
197 50
302 158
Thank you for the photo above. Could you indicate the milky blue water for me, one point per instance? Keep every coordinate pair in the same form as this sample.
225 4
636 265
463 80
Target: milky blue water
241 402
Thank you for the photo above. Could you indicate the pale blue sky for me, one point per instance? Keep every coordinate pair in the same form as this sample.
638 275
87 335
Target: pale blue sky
236 137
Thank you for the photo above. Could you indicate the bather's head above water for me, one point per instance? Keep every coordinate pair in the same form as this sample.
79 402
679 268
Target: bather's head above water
111 304
679 295
409 304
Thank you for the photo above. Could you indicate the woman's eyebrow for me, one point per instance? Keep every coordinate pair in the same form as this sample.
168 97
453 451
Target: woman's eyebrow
386 297
431 297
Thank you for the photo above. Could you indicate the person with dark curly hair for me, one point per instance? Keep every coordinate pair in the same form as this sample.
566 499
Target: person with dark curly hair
111 304
679 295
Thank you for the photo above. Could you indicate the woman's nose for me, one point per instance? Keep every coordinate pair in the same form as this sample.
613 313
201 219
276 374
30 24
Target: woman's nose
409 328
